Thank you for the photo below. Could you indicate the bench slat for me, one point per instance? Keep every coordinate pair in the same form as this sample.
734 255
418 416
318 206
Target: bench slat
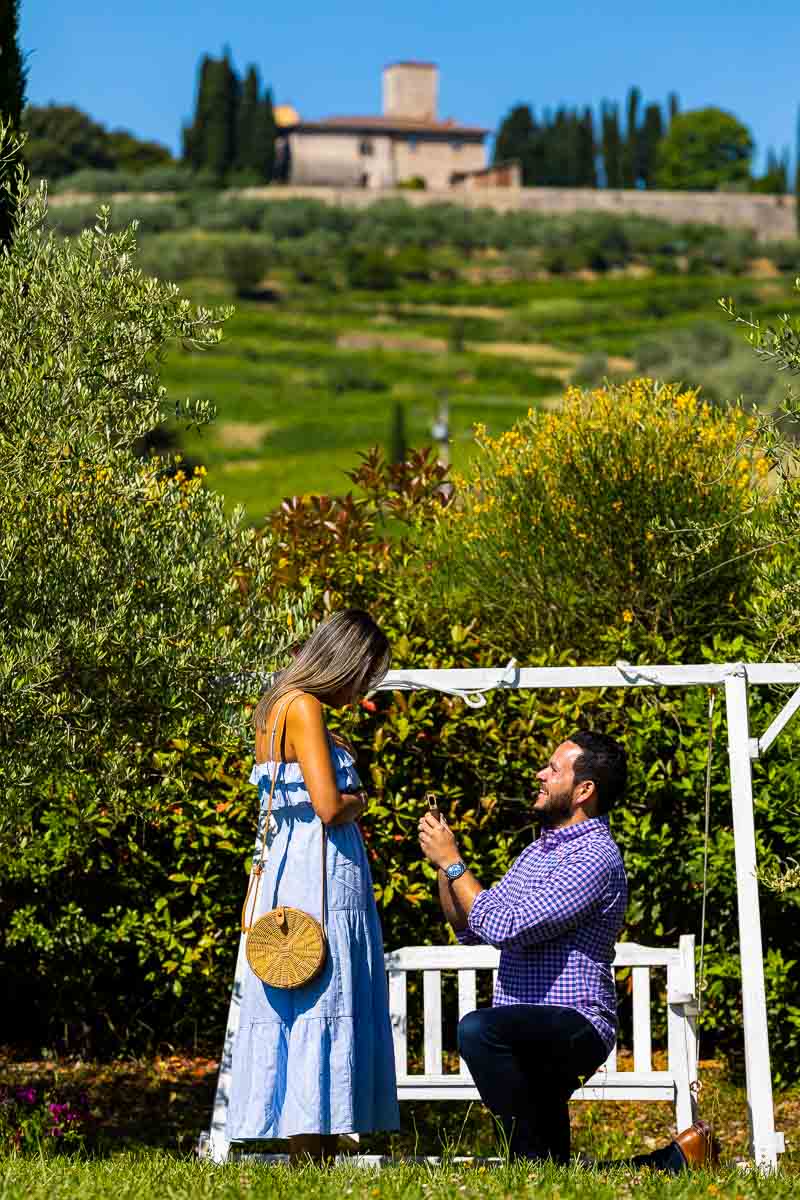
399 1019
467 1003
616 1085
642 1040
432 1000
481 958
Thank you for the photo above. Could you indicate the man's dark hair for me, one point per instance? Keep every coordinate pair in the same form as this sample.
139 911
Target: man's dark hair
603 761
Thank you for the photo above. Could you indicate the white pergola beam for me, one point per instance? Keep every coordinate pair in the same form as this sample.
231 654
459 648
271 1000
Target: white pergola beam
480 679
759 746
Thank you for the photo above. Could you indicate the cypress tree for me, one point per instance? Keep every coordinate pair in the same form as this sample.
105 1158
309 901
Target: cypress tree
12 98
264 138
223 95
247 148
630 157
536 159
194 134
783 171
560 144
673 107
612 146
651 134
514 137
550 149
587 150
397 435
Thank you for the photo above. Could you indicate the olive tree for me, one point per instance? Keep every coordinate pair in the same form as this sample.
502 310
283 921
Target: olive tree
127 595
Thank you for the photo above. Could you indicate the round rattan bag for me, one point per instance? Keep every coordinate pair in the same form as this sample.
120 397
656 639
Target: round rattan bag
286 947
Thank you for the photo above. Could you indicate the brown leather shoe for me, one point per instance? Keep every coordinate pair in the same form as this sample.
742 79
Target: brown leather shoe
698 1145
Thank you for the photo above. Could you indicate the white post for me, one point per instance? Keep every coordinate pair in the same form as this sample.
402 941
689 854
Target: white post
764 1141
218 1140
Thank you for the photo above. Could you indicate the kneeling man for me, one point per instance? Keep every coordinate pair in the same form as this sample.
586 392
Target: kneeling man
555 918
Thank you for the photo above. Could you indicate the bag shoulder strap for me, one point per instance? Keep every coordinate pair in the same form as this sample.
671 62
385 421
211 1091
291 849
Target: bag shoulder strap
256 873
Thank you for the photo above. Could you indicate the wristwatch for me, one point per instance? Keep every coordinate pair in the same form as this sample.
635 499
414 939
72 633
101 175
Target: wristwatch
455 870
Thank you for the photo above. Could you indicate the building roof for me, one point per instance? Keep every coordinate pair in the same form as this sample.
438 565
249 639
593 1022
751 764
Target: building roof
285 115
407 125
411 62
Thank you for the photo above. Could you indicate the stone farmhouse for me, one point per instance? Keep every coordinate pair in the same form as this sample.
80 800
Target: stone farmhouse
406 142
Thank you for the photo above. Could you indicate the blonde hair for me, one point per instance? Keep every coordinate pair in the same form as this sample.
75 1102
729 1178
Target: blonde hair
346 651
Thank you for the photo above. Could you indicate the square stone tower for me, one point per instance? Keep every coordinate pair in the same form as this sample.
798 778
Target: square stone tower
410 91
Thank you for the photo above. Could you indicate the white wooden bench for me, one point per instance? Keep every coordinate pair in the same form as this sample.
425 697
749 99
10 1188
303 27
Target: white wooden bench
676 1083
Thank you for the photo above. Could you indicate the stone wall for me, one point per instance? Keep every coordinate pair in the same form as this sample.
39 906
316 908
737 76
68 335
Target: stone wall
770 217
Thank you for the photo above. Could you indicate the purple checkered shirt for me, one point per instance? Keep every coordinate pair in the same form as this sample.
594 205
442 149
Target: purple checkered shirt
555 918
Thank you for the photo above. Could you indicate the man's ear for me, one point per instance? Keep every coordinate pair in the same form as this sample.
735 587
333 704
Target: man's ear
586 793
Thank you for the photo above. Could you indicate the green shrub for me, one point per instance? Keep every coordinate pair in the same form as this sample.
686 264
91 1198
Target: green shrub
370 269
313 258
165 217
354 377
71 219
296 218
412 262
246 261
563 511
785 255
168 178
591 370
97 182
220 213
182 256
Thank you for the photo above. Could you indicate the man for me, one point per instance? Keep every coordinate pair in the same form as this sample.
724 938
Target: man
555 918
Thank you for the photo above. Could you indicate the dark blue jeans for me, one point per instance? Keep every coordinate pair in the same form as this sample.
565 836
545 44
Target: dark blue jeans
527 1060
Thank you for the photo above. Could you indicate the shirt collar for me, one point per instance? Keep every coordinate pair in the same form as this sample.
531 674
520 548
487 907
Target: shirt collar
550 839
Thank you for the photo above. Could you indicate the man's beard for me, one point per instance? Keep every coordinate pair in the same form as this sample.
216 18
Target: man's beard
554 811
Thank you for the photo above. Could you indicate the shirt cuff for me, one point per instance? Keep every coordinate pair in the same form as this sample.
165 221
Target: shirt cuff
474 918
465 937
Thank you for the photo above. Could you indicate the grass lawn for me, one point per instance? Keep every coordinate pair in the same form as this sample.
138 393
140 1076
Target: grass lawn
307 378
142 1177
149 1113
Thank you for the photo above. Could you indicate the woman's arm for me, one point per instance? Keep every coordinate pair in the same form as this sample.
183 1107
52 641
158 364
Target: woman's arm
307 736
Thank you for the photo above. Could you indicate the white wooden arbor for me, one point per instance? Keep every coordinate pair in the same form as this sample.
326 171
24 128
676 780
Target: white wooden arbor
735 678
470 685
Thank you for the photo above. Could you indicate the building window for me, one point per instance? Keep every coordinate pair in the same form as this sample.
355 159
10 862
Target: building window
366 148
456 144
412 142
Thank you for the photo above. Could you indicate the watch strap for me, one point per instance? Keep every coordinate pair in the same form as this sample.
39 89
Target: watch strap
456 870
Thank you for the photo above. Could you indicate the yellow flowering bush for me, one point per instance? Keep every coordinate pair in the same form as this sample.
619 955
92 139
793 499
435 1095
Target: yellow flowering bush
570 529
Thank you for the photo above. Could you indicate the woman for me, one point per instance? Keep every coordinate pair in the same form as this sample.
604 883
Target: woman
316 1061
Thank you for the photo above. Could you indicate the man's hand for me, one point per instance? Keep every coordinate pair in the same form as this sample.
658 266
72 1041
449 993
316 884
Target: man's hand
437 842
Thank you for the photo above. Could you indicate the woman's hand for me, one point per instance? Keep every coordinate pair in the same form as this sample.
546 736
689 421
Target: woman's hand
353 806
437 842
343 744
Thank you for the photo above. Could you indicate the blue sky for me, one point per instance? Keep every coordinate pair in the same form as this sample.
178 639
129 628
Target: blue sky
134 65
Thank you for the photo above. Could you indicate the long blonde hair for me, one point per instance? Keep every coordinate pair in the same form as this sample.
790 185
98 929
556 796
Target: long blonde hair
346 651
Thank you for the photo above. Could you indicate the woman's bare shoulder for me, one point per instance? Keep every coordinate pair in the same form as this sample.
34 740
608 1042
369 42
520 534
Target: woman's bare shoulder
306 711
